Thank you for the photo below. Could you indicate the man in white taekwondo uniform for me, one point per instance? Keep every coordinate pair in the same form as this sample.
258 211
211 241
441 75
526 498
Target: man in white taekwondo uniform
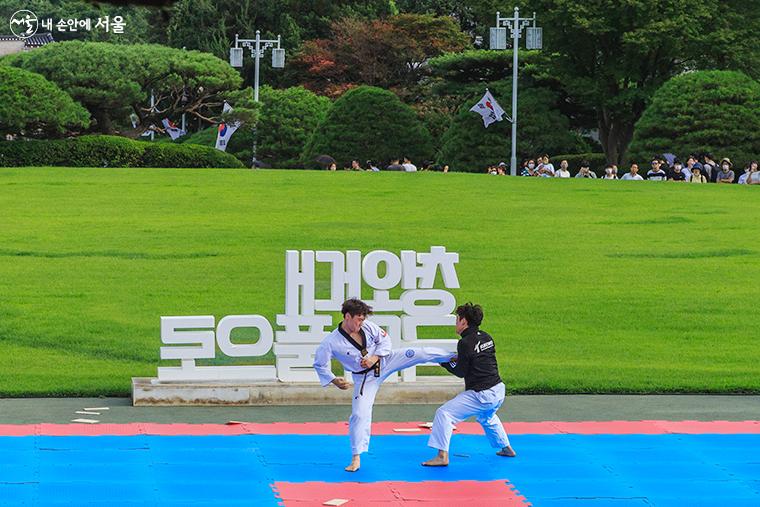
364 349
484 390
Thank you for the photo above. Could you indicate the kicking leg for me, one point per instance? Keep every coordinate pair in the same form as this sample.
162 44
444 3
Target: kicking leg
401 359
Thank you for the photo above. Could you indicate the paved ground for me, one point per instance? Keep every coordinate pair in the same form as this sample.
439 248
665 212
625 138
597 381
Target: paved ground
516 408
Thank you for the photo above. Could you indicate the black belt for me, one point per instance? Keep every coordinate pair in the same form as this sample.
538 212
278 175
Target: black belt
364 372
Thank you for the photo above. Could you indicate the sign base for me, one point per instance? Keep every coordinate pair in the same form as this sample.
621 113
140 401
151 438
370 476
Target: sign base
151 392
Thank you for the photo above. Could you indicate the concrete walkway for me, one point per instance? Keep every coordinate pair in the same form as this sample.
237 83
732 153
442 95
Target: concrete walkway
516 408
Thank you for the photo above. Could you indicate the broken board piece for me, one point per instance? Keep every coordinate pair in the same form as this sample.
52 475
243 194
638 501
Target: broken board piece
335 501
85 421
406 430
96 409
84 412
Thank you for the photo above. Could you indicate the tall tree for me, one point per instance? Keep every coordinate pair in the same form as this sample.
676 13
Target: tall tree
612 55
113 80
389 53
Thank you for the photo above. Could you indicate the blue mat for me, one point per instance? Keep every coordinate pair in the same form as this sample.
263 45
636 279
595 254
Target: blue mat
551 470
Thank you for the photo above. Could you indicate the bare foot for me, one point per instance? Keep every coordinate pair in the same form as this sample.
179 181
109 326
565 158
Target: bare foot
436 462
354 466
507 452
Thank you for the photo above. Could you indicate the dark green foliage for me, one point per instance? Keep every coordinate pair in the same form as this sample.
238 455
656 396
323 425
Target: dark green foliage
469 146
707 111
186 155
109 151
483 66
113 80
102 151
31 105
369 123
287 119
612 56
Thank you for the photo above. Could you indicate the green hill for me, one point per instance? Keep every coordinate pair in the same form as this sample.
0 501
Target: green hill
588 286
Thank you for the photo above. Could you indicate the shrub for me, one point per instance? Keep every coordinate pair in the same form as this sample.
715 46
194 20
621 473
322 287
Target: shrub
110 151
369 123
29 103
186 155
287 119
697 112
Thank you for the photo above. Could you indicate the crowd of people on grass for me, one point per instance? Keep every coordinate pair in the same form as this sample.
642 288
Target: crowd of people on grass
667 167
697 169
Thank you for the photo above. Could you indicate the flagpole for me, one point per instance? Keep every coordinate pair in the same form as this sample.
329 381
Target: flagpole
515 51
499 41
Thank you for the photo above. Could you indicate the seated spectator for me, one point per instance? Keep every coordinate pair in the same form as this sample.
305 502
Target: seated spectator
697 176
332 167
446 168
725 174
678 173
545 168
609 173
586 171
395 166
656 173
709 167
562 172
408 166
530 169
500 170
355 166
371 166
743 176
492 170
633 174
754 174
691 163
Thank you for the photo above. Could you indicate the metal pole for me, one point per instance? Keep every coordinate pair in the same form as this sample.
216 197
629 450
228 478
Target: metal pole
256 67
257 56
152 110
515 49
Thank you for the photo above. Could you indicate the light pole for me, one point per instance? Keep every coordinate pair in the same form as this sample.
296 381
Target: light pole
534 38
257 47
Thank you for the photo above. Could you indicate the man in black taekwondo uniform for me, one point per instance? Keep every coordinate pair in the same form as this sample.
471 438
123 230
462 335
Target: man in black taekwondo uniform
484 390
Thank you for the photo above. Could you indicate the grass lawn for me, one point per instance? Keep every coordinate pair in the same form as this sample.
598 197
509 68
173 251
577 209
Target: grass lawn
588 286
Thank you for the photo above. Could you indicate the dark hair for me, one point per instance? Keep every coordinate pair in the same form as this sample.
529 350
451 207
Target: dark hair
585 163
355 307
472 313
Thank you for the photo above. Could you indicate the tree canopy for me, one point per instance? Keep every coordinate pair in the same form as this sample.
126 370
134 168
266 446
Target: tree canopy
32 105
702 112
369 123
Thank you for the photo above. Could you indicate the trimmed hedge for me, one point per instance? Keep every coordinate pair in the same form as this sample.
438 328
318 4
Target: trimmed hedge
110 151
186 155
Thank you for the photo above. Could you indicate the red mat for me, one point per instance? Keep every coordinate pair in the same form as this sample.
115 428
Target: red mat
385 428
401 494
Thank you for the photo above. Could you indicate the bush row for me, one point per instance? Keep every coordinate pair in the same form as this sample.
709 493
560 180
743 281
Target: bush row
111 151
